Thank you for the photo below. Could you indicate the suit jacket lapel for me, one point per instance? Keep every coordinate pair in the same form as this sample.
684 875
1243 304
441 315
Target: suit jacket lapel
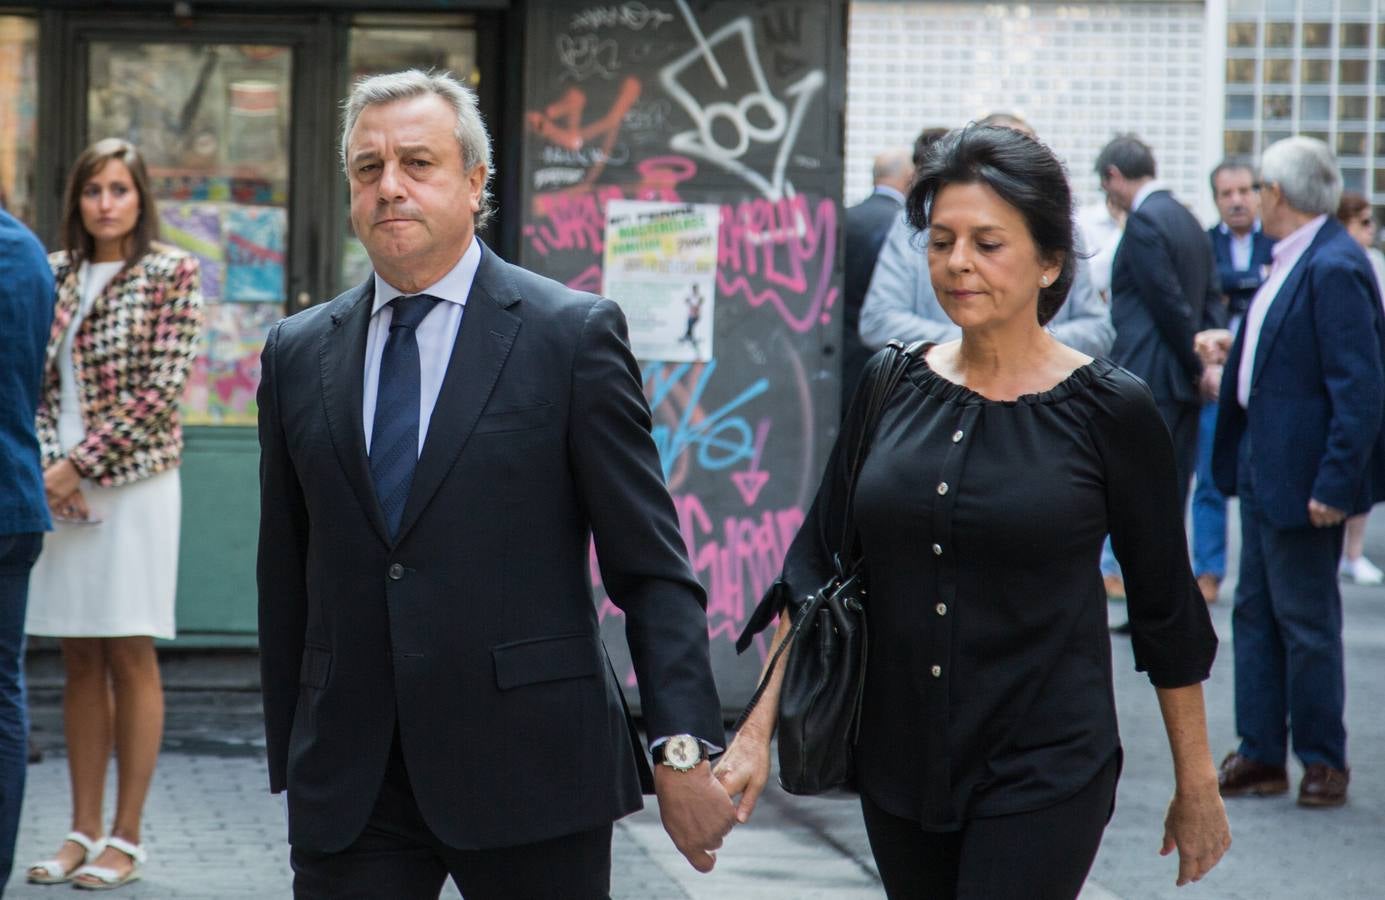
483 344
342 359
1284 299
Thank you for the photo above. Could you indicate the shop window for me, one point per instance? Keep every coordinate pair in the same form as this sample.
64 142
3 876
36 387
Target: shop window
1315 109
1278 107
1353 71
1317 35
1240 34
1354 180
1354 35
212 123
1240 71
1352 108
1240 106
1279 71
18 115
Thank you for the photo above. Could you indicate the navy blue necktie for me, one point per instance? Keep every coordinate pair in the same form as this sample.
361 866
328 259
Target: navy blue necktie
394 437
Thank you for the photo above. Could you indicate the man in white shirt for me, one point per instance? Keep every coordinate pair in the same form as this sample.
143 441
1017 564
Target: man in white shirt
1299 440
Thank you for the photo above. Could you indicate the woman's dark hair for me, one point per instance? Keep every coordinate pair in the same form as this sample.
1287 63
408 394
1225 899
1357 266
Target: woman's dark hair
1351 205
1025 174
78 243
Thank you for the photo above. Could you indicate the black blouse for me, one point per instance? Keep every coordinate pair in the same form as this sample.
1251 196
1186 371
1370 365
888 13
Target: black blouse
988 685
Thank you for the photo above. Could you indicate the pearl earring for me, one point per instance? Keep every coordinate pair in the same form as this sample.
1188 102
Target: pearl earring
1043 281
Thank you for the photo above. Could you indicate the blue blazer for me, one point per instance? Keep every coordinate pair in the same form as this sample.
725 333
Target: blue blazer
26 314
1240 285
1317 396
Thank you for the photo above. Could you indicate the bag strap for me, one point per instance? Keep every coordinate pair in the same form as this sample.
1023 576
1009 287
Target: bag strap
884 379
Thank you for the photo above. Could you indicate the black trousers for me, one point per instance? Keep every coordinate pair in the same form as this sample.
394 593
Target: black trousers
398 857
1039 855
1183 420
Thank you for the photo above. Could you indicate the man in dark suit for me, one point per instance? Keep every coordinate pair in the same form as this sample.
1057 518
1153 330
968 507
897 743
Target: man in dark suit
1163 292
867 223
1242 253
26 312
1299 440
439 446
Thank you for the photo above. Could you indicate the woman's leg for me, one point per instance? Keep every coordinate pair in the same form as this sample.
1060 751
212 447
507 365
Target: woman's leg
1045 854
87 728
914 864
139 719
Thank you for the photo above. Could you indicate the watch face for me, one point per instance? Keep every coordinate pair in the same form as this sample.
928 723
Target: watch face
682 752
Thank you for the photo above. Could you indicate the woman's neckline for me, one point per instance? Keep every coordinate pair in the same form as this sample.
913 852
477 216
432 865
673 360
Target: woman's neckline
1064 388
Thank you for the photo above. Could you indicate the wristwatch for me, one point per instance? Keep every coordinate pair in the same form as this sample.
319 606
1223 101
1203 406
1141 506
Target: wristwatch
682 753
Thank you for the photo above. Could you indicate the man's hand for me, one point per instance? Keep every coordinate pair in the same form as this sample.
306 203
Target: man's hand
1212 346
59 481
1322 515
744 771
1210 384
696 812
1196 826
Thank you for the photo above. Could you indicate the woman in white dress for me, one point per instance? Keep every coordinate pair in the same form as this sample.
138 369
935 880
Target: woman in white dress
126 323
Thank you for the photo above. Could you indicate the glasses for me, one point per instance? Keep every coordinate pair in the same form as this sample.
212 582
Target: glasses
1255 186
1366 220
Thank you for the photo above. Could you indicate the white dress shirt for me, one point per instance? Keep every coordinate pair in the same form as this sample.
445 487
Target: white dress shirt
1285 255
1142 195
436 334
1241 246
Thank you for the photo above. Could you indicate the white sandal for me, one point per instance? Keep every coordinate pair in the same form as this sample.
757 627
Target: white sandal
51 871
109 879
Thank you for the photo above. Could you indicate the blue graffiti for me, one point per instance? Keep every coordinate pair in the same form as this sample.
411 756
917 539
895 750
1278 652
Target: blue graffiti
722 439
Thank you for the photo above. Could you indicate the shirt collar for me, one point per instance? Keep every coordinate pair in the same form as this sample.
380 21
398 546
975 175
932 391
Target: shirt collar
1150 187
1254 230
889 192
1292 246
452 287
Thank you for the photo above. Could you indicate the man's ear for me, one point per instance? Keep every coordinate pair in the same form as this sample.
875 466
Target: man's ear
477 179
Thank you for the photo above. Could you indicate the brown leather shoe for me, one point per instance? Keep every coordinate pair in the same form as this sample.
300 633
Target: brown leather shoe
1323 785
1210 585
1241 777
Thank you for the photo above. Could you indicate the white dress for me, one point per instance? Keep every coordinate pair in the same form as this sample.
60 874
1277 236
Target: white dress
118 577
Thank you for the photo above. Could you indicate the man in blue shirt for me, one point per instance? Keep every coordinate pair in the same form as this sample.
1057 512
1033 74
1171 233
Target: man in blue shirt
26 312
1242 253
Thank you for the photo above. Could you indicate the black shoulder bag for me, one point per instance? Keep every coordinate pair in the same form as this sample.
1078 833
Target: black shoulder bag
820 702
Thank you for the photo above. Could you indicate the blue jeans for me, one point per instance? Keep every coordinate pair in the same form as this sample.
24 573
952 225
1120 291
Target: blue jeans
1209 506
17 555
1286 628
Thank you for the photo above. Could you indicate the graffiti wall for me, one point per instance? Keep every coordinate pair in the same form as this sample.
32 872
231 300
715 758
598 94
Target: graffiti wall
738 105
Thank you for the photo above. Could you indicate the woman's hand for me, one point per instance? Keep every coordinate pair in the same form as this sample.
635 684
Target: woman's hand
74 508
60 481
1196 825
744 771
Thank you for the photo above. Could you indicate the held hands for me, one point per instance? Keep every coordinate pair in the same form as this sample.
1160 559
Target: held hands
743 771
1210 384
1212 346
1196 826
696 812
1322 515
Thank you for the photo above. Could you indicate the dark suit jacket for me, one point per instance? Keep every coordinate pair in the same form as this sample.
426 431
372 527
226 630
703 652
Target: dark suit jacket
867 223
1163 291
26 313
1240 285
474 631
1317 396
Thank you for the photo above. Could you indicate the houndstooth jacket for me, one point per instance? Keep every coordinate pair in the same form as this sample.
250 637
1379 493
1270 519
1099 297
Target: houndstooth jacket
132 353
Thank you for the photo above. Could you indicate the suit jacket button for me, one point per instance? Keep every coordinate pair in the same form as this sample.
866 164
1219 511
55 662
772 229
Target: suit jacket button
396 572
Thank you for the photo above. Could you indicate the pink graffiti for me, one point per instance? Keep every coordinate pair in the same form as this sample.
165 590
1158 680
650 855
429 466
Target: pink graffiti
789 244
737 563
575 219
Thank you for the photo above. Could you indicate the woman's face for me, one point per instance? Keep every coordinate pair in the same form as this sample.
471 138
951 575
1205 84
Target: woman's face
1362 227
982 259
110 204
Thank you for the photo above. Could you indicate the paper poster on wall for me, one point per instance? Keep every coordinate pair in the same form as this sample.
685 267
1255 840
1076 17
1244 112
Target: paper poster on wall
255 240
226 373
660 265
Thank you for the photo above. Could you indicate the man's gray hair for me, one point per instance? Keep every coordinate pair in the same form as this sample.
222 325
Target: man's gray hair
470 131
1306 173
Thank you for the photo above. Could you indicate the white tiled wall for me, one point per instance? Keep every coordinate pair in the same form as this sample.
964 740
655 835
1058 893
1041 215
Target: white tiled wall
1078 72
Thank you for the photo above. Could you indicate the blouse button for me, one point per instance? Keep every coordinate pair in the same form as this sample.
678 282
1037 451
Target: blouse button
937 549
957 436
941 608
942 487
937 671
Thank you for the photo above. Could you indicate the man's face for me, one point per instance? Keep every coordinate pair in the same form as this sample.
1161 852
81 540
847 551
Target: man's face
1237 201
412 204
1118 188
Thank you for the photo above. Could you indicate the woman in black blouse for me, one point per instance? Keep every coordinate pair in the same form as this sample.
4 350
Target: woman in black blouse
988 752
